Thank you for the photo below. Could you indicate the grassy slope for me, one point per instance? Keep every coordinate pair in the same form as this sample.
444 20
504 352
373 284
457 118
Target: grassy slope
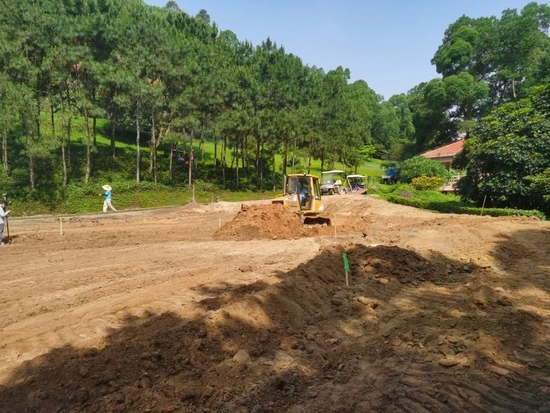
127 194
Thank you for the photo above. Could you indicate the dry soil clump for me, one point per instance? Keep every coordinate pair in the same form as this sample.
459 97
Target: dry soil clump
262 222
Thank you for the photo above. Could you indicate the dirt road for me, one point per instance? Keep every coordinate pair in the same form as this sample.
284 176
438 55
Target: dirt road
165 311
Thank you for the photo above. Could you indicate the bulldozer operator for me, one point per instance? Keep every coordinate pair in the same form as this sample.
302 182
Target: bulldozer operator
304 191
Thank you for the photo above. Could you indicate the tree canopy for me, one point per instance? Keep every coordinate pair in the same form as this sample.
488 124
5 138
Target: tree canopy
508 156
163 83
175 81
484 63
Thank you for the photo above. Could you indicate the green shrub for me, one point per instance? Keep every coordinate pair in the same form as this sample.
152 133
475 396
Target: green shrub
205 187
453 208
406 194
424 183
419 166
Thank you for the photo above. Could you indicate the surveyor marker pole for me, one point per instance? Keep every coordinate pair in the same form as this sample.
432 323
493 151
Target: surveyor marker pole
346 267
483 206
61 226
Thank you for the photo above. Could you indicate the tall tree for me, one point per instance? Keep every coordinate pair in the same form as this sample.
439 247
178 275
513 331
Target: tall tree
509 154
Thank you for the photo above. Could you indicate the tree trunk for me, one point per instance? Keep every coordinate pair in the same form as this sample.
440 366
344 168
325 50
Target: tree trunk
63 130
69 125
5 150
31 170
191 158
37 120
113 129
224 159
232 158
52 118
94 130
138 148
151 144
88 146
170 176
94 120
54 135
64 160
243 154
274 170
260 165
202 140
153 154
215 153
310 155
285 156
259 143
294 153
190 173
237 166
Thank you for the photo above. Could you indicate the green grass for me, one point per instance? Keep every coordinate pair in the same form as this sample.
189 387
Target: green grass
436 201
371 168
149 197
79 197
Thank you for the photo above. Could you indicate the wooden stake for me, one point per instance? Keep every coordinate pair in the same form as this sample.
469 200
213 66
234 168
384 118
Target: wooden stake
483 206
61 226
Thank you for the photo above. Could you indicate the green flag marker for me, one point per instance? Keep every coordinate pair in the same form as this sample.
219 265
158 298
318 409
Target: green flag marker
346 262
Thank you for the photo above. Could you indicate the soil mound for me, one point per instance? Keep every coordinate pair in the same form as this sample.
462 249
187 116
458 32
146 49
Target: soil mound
406 266
271 221
144 312
306 344
194 207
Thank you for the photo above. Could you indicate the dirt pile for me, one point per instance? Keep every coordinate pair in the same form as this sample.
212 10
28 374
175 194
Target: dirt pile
391 262
452 315
392 341
271 221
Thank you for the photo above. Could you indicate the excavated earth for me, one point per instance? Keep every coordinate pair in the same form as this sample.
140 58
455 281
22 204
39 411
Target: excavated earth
241 308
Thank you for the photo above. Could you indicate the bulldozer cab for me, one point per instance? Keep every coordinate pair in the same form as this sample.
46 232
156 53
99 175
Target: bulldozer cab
304 190
302 195
307 189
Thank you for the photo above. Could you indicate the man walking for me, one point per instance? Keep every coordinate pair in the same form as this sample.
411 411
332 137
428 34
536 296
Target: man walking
3 215
108 197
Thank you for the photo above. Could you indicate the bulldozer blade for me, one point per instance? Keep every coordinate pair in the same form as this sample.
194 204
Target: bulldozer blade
317 221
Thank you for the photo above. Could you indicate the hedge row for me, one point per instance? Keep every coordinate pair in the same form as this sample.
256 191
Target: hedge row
455 209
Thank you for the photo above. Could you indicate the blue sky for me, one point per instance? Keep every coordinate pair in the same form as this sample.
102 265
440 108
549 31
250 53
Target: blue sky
387 43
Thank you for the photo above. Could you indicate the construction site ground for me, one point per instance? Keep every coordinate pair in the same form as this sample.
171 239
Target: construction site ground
240 308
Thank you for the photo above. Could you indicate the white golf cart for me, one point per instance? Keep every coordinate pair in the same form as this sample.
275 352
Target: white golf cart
356 184
330 184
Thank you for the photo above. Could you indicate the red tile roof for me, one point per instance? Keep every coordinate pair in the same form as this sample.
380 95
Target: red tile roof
448 150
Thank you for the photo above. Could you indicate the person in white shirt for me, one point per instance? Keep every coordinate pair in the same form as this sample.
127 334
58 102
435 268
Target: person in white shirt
3 215
108 198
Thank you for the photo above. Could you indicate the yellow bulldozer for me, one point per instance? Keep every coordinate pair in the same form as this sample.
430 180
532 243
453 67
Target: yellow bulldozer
302 195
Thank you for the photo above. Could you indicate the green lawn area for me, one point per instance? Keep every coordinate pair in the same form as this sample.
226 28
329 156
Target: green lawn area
79 197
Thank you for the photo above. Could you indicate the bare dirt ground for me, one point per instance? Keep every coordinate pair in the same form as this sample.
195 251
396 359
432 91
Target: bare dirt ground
163 311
